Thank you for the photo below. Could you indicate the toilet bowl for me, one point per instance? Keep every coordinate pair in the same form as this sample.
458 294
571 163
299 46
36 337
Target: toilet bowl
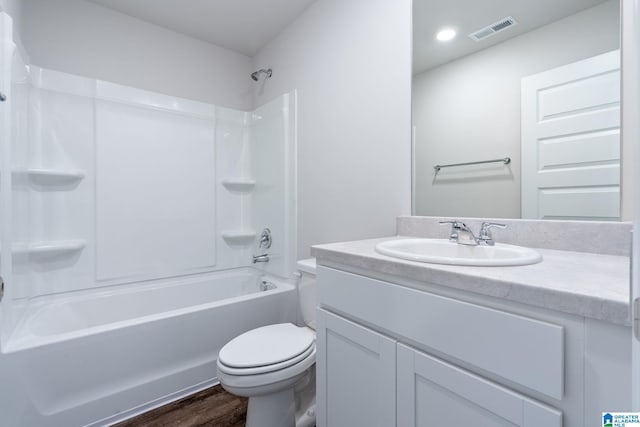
274 365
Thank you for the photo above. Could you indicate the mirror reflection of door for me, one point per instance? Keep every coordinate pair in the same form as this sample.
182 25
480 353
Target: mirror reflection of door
467 99
571 141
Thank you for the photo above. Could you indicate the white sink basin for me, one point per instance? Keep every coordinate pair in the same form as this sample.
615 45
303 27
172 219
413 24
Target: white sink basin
441 251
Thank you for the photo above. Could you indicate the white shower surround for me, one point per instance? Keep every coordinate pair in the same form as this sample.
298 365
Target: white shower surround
132 219
138 185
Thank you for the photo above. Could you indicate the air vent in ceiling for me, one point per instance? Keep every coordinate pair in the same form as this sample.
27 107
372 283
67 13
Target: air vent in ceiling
494 28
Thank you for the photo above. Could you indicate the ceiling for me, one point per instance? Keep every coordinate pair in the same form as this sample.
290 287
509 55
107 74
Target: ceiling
468 16
244 26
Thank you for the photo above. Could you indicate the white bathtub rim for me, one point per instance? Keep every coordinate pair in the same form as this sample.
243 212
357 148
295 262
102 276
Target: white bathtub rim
17 343
30 341
138 286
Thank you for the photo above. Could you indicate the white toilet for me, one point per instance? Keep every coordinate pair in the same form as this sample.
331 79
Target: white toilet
274 366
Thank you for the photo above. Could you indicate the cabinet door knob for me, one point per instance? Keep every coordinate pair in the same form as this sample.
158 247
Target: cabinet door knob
3 97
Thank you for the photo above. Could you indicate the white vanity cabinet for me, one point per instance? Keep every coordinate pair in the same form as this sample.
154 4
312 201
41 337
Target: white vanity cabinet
394 352
357 374
430 389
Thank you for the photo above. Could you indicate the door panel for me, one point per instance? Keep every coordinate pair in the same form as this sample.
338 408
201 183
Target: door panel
571 141
356 370
431 390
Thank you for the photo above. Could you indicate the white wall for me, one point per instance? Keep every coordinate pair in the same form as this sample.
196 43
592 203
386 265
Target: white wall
82 38
350 61
14 8
469 109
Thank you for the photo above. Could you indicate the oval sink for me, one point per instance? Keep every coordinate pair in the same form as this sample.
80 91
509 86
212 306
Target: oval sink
441 251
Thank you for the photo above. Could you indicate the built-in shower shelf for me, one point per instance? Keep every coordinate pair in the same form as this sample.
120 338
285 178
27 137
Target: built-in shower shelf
52 247
239 237
239 185
44 176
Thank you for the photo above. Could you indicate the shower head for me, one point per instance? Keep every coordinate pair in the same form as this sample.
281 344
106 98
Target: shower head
256 74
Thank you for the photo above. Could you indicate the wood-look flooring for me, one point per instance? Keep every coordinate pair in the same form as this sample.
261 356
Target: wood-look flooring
212 407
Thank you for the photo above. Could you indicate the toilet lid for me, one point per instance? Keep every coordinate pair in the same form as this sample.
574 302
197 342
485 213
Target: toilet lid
267 345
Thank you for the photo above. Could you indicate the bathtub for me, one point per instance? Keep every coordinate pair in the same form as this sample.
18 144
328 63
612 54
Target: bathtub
99 357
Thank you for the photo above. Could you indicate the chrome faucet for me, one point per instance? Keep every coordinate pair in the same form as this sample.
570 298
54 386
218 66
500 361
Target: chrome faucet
485 237
261 258
264 243
462 234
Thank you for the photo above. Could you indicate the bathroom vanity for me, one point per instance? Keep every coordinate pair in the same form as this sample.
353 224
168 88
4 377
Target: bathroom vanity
407 343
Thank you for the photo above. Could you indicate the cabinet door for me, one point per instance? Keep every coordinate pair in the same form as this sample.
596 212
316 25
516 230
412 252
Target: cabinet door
356 374
433 392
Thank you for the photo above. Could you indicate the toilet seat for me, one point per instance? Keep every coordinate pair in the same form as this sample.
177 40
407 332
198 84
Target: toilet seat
266 349
259 384
267 368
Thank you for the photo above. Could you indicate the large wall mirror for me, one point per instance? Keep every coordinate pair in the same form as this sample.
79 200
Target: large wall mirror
516 109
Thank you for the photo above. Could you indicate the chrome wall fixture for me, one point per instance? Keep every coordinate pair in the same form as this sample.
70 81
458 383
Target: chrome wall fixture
256 74
505 160
264 243
265 239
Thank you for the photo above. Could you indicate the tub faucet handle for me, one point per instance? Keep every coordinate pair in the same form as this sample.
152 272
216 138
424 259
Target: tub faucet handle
265 239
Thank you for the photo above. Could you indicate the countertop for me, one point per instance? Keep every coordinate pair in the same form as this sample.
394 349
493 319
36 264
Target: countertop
584 284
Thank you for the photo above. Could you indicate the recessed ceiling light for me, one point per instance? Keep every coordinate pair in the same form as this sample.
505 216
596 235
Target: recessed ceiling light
446 34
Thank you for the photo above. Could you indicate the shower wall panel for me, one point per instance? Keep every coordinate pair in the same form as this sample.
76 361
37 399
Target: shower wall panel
58 180
155 191
233 203
20 201
116 185
273 166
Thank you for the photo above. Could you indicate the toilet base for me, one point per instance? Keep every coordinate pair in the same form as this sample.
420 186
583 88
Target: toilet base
272 410
288 403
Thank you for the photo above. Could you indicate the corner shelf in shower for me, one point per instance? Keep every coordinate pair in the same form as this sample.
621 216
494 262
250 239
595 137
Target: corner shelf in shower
44 176
239 185
51 247
239 237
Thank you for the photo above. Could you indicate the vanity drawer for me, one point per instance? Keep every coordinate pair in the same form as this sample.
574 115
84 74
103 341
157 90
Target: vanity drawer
520 349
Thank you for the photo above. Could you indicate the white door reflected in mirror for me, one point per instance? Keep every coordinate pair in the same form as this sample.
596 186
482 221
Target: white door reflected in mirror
466 103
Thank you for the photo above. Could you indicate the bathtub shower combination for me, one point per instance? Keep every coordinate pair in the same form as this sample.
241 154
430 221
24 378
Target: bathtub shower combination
131 219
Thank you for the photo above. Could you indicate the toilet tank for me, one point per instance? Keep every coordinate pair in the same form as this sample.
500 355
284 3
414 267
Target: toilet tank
307 291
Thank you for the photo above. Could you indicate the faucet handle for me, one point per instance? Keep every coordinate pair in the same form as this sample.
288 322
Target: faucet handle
455 227
265 239
488 225
454 223
485 232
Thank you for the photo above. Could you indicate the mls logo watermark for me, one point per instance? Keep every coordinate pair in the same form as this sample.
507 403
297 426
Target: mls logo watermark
620 419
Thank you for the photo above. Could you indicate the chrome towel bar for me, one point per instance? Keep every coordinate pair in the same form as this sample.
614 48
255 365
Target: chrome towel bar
505 160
